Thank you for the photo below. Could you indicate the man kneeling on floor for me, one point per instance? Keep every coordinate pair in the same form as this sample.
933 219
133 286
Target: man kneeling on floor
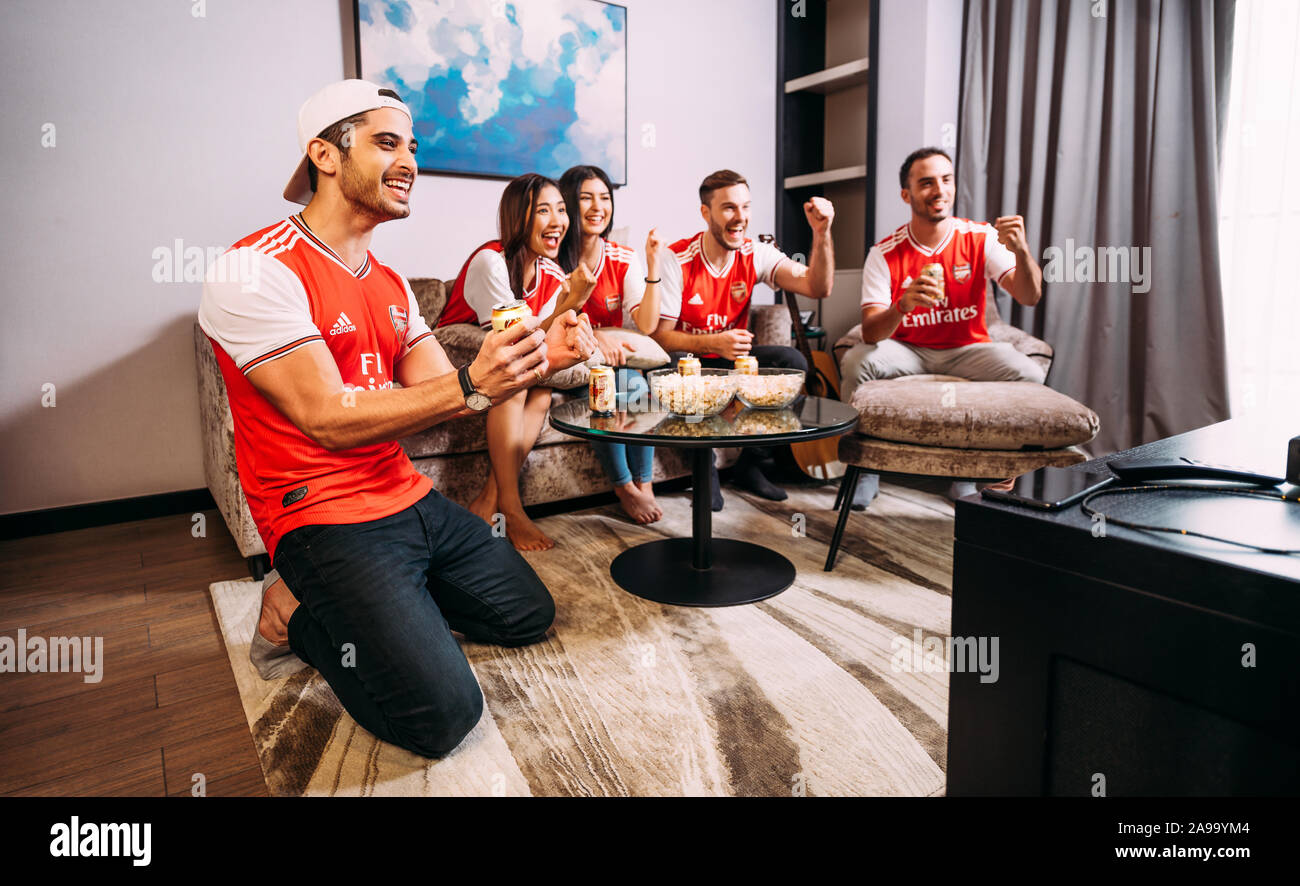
923 294
310 332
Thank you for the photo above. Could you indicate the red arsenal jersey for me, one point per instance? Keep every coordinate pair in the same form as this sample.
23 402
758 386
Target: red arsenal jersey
274 292
484 281
704 299
619 285
970 254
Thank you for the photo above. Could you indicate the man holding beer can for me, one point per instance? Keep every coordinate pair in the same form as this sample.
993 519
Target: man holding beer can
924 288
311 332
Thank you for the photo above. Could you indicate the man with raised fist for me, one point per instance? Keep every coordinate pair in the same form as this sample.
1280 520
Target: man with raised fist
708 281
924 289
311 332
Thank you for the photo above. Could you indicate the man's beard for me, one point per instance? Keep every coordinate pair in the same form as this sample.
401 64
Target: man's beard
932 217
719 234
365 196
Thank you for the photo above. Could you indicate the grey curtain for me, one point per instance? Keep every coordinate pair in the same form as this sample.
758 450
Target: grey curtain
1104 131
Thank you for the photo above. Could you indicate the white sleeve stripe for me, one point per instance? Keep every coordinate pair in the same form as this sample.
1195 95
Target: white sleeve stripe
272 234
279 352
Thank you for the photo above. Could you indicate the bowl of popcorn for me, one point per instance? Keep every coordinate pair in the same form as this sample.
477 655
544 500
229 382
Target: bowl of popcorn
770 388
708 393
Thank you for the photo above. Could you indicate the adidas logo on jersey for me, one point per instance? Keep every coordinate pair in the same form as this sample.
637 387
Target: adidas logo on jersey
695 300
342 325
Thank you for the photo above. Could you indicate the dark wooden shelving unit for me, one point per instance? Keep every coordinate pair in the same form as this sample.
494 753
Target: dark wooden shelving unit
826 88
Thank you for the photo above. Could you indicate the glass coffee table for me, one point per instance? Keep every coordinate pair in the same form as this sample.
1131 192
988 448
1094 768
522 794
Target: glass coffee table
703 570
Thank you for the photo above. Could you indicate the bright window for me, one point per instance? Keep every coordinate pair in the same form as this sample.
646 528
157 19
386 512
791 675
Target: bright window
1259 213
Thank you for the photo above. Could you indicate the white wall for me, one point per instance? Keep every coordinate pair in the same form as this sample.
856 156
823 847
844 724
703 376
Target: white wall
169 126
919 75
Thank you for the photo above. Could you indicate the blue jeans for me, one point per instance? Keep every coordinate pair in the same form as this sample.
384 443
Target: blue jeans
622 462
379 601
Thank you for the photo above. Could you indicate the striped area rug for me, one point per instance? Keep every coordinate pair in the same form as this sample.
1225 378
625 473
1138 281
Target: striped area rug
792 696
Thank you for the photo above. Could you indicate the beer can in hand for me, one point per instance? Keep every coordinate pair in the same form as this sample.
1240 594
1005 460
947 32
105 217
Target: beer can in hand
509 313
602 390
746 365
935 271
688 365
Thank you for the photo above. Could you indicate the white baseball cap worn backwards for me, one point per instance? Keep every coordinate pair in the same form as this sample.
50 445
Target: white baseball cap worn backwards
335 102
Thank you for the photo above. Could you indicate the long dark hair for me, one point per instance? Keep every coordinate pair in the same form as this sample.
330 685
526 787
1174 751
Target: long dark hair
570 186
515 223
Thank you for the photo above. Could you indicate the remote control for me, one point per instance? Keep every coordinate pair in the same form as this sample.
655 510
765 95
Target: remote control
1144 469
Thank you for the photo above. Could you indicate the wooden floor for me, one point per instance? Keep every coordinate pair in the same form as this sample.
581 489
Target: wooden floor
167 707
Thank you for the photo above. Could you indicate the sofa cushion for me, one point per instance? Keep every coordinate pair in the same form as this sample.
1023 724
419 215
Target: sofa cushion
642 351
460 341
942 410
771 325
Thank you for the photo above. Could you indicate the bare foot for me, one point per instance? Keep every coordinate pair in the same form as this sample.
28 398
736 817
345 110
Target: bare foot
635 504
278 605
648 490
485 505
524 534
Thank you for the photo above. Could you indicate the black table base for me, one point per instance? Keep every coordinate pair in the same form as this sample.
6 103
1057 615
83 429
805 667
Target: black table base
741 572
702 570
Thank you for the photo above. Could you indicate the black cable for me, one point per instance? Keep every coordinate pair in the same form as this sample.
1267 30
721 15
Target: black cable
1270 494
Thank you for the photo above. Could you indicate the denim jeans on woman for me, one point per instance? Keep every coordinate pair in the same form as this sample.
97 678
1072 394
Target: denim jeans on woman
624 463
379 601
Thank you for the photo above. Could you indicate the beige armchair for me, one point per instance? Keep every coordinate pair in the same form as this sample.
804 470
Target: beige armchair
944 426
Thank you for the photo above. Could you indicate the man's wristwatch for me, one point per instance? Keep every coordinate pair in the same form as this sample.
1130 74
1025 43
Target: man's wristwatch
473 399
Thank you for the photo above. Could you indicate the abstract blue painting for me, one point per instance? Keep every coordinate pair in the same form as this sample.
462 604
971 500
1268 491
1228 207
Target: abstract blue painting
500 88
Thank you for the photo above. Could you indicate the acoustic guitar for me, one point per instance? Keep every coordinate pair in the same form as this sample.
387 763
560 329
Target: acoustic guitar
818 459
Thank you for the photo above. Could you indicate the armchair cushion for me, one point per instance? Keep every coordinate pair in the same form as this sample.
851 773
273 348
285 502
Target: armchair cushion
943 410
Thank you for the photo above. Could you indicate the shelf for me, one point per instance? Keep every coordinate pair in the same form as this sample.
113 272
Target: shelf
843 174
832 79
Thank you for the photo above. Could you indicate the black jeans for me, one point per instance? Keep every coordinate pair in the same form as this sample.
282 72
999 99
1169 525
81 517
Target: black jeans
380 600
768 356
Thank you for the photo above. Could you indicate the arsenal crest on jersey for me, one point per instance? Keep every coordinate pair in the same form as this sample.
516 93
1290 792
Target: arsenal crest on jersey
739 291
961 273
398 316
613 302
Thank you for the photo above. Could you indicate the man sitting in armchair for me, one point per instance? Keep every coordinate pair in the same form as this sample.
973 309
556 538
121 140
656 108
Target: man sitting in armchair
924 288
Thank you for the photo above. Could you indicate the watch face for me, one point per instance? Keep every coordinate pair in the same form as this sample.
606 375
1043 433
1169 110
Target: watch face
477 402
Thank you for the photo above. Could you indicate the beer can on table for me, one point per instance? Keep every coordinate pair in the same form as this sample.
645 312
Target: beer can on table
602 390
508 314
747 365
935 270
688 365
